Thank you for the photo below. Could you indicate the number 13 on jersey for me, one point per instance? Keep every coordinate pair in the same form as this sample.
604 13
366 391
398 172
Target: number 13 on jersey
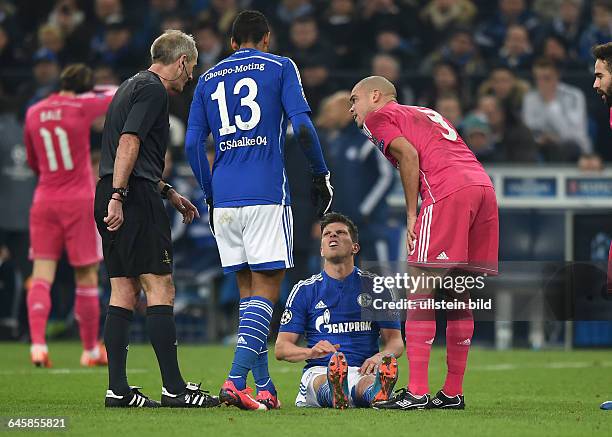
249 101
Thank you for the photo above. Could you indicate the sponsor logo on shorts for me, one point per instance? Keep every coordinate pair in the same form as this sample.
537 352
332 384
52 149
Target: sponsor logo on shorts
226 219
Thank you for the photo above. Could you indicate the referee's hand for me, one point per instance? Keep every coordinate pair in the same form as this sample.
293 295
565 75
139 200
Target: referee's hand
184 206
114 214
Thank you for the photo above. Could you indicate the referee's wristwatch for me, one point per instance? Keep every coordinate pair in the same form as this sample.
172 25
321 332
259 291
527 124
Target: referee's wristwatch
164 191
123 192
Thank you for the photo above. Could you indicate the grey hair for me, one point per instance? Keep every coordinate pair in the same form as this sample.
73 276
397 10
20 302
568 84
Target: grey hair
171 45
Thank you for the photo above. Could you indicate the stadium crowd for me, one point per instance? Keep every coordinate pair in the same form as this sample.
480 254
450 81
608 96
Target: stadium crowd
492 67
514 76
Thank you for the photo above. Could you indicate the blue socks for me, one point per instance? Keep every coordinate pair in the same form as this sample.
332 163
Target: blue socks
324 397
260 369
255 316
244 303
261 373
369 394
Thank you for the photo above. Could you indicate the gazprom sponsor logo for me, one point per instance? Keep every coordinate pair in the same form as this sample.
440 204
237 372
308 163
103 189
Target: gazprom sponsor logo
343 327
322 325
323 319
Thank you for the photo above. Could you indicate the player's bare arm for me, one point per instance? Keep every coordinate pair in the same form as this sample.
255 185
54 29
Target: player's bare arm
394 345
180 202
408 160
286 348
127 152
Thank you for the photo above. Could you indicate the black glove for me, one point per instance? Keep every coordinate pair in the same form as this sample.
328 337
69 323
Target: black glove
211 208
321 193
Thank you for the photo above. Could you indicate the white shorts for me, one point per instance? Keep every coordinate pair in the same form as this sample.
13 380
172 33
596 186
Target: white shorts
307 396
258 237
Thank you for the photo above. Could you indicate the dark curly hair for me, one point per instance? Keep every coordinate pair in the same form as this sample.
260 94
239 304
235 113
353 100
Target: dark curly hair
603 52
336 217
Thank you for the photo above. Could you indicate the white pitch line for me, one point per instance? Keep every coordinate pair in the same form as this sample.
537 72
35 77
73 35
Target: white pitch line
493 367
501 367
63 371
553 365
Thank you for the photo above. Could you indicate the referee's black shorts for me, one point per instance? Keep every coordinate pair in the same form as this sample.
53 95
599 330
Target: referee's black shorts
142 244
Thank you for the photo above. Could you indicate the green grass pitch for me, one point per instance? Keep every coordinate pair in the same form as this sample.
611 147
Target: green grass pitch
516 393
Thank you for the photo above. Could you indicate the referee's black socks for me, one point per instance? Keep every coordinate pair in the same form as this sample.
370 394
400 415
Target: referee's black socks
162 333
116 340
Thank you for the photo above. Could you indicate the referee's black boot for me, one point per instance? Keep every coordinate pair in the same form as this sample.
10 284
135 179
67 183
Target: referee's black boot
403 400
192 397
441 401
135 399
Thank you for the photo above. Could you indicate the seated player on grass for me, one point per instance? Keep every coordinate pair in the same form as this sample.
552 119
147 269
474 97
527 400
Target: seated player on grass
327 308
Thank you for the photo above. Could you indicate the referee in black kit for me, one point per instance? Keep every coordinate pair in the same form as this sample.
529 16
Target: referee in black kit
134 225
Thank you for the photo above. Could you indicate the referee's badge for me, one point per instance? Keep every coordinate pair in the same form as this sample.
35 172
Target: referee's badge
166 258
364 300
286 317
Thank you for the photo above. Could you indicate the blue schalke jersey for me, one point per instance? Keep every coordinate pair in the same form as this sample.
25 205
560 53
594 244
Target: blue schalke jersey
245 101
324 308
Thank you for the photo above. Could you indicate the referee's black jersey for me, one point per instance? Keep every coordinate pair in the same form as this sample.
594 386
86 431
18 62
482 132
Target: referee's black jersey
140 107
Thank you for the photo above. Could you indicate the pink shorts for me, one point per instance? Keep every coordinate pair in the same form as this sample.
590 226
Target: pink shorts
69 225
460 230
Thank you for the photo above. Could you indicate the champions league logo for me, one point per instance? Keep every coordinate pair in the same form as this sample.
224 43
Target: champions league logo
286 317
380 144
